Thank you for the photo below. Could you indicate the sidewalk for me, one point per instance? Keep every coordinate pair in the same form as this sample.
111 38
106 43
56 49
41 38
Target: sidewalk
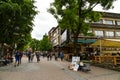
53 70
96 73
44 70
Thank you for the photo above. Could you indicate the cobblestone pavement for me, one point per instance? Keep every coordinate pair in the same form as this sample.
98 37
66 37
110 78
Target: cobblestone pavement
53 70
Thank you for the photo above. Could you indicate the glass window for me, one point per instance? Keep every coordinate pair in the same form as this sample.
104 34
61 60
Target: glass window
109 33
86 20
55 41
100 21
117 33
118 22
108 21
90 31
99 33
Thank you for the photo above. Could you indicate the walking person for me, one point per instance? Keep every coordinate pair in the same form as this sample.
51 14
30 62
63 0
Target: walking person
21 54
17 58
32 57
29 56
51 55
44 54
61 55
37 53
48 56
56 55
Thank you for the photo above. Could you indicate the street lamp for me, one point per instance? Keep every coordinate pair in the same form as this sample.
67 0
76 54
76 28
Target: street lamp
100 45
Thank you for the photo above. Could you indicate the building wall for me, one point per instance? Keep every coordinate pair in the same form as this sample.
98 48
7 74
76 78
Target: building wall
107 27
55 37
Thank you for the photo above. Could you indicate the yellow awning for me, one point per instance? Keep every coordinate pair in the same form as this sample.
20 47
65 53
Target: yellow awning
107 43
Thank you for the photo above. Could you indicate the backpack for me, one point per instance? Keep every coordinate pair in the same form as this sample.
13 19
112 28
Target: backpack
17 54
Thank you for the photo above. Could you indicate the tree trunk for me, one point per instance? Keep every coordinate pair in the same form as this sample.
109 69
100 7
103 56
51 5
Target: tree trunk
76 47
2 50
76 34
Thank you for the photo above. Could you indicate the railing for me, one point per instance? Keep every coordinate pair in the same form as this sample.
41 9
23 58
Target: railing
112 60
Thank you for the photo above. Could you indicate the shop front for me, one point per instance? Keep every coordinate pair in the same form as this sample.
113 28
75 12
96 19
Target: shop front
82 46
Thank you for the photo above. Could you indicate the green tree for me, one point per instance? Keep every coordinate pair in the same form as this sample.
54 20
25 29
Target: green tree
41 45
45 44
16 20
71 15
23 42
24 21
34 44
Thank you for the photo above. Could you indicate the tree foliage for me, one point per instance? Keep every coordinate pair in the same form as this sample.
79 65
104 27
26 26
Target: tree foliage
45 44
23 42
71 14
34 44
41 45
16 22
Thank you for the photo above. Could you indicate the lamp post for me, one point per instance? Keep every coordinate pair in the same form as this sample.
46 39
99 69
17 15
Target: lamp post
100 45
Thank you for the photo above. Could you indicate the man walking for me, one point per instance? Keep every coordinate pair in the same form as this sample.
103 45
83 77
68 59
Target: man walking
17 58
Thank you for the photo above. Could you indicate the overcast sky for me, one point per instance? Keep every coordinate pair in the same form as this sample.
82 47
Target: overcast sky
44 21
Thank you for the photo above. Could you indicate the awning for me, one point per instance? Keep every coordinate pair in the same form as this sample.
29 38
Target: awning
87 41
107 43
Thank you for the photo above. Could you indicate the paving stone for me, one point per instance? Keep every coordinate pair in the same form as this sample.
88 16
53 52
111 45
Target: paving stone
53 70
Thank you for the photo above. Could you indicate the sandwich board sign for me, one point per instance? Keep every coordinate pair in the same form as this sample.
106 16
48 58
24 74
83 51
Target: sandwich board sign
75 61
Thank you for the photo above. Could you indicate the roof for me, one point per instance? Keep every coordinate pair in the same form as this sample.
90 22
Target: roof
112 15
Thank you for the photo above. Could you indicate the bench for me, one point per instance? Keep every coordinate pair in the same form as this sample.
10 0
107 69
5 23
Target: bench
6 61
2 62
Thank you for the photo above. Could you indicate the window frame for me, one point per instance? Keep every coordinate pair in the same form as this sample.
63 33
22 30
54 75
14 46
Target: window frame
99 33
108 33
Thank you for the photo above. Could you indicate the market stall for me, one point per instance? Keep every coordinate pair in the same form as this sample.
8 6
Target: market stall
109 51
107 43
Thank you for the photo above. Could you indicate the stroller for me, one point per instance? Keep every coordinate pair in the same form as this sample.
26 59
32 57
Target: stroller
86 67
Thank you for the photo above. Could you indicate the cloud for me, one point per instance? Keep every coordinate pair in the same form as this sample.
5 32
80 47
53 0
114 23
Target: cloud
116 8
43 21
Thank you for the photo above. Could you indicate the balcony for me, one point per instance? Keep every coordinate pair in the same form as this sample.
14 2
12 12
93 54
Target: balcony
98 25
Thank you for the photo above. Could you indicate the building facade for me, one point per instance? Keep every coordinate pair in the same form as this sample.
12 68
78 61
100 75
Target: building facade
108 27
55 37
